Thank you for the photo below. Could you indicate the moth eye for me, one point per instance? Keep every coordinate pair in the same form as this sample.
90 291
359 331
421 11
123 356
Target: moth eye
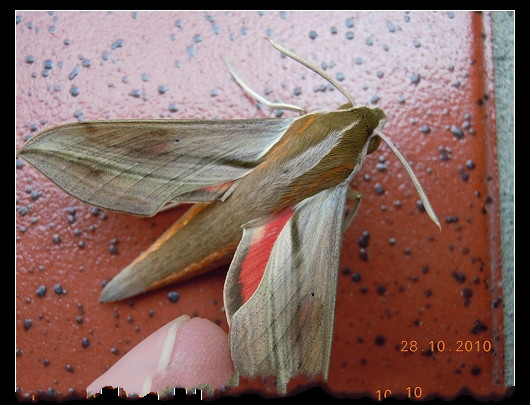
373 143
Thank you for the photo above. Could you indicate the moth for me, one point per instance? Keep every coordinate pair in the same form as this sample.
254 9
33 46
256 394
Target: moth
269 196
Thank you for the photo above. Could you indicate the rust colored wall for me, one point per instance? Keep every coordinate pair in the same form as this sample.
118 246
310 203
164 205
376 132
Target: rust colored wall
432 74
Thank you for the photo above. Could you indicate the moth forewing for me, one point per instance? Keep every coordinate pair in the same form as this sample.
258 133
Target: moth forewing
137 166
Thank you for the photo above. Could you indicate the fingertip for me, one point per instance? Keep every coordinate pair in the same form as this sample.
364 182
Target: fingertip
184 353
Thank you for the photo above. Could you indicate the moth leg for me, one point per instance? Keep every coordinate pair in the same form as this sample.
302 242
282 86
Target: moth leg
354 195
261 99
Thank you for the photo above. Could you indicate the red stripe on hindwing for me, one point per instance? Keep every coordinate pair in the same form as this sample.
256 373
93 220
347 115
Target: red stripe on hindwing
255 262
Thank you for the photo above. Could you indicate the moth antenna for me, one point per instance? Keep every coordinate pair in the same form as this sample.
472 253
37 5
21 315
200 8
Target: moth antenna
415 181
314 68
261 99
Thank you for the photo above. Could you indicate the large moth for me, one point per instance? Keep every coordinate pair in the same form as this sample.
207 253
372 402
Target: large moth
269 195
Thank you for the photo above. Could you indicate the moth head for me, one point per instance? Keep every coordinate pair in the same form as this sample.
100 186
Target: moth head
375 120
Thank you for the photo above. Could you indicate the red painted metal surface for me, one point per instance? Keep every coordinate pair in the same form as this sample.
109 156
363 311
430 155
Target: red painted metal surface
403 286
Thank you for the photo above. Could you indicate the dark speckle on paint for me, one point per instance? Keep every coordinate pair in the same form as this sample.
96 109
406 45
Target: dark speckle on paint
379 340
444 153
479 327
349 35
79 115
427 353
459 277
464 175
312 34
457 132
115 351
69 368
56 238
476 370
113 248
117 44
451 219
415 78
364 239
497 302
349 22
41 291
28 323
356 277
58 289
173 296
85 342
467 293
215 28
136 93
363 254
425 129
74 91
